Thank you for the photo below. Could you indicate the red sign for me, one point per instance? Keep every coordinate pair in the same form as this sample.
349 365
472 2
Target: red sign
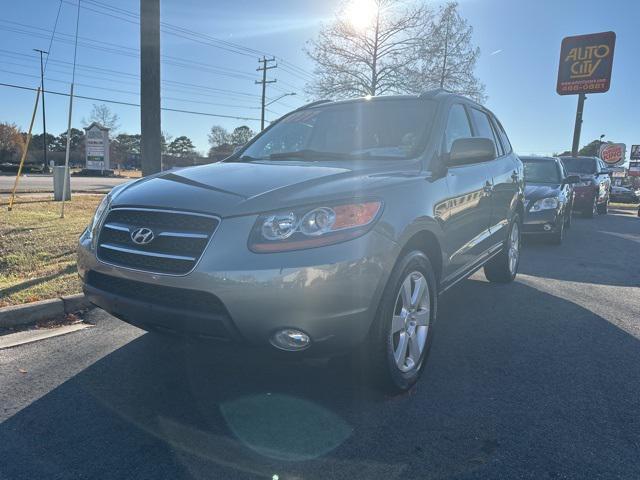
585 63
612 153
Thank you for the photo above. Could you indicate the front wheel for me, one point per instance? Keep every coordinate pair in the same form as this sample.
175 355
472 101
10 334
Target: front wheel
402 333
594 208
503 267
558 236
604 208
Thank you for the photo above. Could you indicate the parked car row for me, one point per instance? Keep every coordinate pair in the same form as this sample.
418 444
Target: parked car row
557 187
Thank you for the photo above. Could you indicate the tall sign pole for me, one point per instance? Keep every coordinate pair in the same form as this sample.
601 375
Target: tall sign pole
577 129
44 115
150 87
264 61
585 67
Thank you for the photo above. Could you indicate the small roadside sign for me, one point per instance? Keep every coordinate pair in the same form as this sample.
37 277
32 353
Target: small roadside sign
612 153
586 62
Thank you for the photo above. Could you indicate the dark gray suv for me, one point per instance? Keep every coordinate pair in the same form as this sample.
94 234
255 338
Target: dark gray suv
333 231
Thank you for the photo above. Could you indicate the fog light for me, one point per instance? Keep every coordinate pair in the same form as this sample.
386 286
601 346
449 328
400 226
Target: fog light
547 227
290 339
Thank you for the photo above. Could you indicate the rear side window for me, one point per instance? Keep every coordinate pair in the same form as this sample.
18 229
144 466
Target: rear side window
503 137
457 126
483 126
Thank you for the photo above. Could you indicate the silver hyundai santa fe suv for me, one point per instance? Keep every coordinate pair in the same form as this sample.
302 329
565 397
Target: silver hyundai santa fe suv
331 232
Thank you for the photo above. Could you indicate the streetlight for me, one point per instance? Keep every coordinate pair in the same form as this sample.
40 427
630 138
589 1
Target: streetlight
280 97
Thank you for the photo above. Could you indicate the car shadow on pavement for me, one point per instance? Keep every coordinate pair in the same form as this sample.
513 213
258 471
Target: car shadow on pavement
520 384
604 250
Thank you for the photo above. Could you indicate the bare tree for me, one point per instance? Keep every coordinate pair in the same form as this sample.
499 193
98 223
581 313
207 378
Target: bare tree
448 57
218 136
373 59
103 115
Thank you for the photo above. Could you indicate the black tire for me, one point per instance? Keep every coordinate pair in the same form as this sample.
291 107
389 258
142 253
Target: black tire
378 355
499 268
594 209
556 238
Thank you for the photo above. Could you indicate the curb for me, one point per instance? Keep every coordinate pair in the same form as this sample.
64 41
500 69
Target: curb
29 313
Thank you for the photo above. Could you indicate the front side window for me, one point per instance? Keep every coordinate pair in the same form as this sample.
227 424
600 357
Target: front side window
457 126
387 129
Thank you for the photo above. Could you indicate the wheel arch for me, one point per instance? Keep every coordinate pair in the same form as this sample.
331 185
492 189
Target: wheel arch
427 242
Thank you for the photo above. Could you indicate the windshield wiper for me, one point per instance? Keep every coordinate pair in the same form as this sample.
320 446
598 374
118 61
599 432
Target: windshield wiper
308 154
249 158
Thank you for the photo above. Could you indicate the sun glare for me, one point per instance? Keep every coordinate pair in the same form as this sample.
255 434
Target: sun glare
361 13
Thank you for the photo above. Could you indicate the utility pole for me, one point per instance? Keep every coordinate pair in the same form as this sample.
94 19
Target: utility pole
264 61
44 116
150 87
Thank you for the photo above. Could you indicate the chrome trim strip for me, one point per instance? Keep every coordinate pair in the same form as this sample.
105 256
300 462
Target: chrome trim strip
182 235
109 246
107 211
182 212
114 226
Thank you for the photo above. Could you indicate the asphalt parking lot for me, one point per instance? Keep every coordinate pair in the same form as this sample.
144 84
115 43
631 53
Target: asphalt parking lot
537 379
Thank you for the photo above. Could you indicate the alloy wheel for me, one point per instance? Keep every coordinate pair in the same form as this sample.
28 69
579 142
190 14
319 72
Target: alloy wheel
410 321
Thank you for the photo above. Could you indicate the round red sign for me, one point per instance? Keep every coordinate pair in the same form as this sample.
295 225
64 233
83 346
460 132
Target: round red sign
612 153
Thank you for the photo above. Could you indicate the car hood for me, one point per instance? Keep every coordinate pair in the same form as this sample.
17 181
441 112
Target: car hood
240 188
536 191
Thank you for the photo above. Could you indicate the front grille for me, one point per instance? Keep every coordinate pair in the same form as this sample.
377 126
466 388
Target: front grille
170 297
179 238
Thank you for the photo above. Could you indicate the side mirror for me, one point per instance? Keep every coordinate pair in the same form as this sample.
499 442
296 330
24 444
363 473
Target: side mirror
572 179
465 151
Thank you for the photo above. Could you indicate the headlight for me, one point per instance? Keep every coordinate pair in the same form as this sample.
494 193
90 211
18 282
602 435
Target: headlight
97 217
545 204
302 228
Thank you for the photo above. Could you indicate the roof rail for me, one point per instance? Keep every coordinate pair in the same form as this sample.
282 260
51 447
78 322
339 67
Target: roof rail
434 92
313 104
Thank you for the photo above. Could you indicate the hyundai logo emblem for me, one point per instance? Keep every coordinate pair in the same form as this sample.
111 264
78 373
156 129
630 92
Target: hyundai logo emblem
142 236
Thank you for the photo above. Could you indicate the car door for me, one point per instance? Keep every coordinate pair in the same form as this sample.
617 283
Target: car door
466 227
504 175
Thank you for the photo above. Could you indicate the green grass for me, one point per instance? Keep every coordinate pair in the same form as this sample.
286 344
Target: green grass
38 248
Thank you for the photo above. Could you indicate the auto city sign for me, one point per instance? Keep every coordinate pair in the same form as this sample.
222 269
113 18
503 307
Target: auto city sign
586 62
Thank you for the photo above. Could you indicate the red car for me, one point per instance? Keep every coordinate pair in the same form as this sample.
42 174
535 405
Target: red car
592 193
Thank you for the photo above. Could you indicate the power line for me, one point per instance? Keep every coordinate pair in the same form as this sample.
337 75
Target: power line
175 30
53 34
118 102
106 71
129 92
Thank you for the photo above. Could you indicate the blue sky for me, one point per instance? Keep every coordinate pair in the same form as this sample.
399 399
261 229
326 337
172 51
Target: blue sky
519 40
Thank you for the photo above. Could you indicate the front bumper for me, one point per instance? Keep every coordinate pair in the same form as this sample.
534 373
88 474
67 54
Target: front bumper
542 222
331 293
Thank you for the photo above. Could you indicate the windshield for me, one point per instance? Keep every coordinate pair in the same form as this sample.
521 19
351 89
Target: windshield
392 129
579 165
541 172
